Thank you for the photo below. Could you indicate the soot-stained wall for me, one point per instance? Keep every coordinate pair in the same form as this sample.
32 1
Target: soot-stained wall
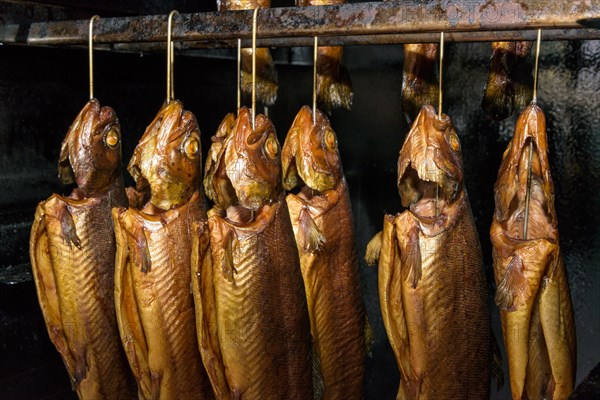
42 90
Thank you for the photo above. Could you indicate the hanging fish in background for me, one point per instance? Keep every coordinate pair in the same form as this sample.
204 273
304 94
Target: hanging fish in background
509 85
532 287
322 219
154 306
252 320
266 74
334 87
419 82
432 287
72 250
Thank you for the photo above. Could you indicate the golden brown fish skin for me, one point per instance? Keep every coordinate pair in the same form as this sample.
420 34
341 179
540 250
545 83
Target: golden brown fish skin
533 292
216 185
328 261
509 85
266 74
154 306
419 81
334 87
72 250
431 283
253 326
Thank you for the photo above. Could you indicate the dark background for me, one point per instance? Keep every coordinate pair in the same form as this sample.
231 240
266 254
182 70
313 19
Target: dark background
43 89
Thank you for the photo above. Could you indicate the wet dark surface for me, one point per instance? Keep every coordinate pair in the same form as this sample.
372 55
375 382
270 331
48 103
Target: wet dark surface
42 90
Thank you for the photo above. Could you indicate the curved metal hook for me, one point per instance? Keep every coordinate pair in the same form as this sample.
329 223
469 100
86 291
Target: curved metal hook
170 58
254 66
91 53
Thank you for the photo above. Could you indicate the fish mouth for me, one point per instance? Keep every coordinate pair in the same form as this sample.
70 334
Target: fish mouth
427 196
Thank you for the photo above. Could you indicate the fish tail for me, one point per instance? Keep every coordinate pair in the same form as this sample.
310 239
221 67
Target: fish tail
509 85
266 75
419 83
334 86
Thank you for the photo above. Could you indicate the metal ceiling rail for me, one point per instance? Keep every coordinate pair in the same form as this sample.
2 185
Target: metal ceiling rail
356 23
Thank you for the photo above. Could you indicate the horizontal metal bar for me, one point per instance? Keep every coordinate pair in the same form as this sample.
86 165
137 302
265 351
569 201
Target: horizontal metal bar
349 21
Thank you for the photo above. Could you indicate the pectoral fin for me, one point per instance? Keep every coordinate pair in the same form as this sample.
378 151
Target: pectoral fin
69 231
511 290
410 255
45 284
310 237
374 249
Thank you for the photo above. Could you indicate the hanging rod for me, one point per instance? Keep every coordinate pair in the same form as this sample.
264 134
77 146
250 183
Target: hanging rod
356 23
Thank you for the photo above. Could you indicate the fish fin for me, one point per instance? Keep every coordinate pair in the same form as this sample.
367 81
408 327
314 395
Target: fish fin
390 295
266 75
419 83
317 376
410 255
228 267
206 319
130 326
369 337
497 371
68 228
334 90
511 290
556 315
45 284
310 238
374 249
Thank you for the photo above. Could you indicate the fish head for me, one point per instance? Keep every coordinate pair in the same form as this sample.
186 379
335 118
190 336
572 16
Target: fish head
430 162
252 161
310 153
216 184
529 146
168 157
90 154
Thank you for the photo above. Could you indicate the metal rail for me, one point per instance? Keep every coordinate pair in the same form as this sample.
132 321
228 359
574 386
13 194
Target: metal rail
344 24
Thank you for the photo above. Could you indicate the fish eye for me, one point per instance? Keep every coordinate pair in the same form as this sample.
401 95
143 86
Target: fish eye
330 140
454 142
271 147
111 139
191 147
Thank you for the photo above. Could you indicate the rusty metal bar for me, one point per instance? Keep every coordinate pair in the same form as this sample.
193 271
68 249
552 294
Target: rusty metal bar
340 24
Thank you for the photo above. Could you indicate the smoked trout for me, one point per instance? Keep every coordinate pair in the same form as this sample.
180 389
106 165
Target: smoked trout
72 250
252 320
322 220
334 87
266 74
419 82
509 85
154 306
432 287
532 287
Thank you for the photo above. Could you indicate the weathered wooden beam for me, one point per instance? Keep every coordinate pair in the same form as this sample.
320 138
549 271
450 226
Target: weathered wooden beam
340 24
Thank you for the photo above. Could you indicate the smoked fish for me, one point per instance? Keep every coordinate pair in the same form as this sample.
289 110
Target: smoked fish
72 250
509 85
419 82
154 305
432 287
266 74
252 320
322 220
334 87
532 288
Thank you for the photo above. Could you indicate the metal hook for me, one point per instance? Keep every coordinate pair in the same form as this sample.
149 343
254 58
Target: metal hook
91 53
170 58
314 99
530 158
254 66
239 74
441 66
535 70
